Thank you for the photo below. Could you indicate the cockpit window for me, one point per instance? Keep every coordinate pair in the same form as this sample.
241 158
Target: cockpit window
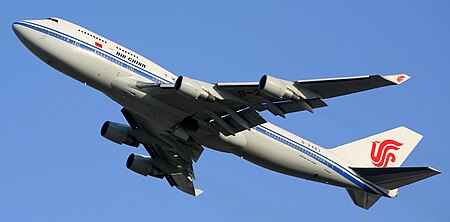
55 20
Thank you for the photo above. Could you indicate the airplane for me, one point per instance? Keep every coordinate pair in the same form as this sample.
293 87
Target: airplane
175 117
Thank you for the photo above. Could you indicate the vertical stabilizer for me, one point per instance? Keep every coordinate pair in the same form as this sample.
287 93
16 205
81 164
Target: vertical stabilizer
386 149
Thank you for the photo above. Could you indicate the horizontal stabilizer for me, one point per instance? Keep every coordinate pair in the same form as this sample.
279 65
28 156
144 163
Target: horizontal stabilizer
395 177
363 199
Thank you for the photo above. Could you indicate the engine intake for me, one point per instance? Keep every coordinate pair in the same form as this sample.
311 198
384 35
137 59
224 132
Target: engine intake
277 88
118 133
192 89
143 165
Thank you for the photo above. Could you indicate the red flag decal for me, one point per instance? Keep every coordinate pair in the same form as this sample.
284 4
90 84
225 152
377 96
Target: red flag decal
98 45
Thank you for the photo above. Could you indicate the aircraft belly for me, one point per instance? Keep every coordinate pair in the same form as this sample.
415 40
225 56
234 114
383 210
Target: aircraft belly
276 156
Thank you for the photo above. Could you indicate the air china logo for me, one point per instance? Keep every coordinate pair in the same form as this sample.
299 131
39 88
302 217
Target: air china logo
382 152
400 78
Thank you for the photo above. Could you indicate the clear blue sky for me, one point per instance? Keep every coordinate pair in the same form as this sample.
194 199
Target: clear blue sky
55 166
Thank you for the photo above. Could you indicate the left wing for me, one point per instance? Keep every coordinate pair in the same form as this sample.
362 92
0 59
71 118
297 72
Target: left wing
172 157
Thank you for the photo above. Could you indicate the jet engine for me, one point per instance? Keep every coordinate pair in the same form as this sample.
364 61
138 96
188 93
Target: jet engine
118 133
277 88
192 89
143 165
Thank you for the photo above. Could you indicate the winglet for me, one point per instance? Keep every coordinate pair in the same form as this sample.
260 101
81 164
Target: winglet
397 78
198 192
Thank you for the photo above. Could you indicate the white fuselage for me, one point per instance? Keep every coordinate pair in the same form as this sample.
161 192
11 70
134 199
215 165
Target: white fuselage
99 63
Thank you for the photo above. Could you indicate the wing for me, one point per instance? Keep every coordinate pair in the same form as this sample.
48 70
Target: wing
320 88
225 108
172 157
232 107
328 88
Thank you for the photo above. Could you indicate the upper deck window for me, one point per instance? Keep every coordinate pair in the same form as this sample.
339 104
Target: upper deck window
93 36
126 52
55 20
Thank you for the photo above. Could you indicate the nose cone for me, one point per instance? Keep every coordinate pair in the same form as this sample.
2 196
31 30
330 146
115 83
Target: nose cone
21 30
30 37
16 29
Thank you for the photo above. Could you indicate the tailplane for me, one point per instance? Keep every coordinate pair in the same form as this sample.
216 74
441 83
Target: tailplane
395 177
390 178
363 199
377 159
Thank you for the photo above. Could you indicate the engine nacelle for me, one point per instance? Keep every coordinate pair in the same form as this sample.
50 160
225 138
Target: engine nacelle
277 88
118 133
192 89
143 165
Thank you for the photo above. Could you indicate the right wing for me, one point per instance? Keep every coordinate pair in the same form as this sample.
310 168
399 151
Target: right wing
317 88
232 107
328 88
226 108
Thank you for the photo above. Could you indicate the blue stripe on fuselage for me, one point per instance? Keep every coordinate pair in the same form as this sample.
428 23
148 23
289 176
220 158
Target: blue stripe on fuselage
324 160
90 47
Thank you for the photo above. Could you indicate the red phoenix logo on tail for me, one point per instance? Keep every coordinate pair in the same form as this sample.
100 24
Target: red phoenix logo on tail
400 79
383 154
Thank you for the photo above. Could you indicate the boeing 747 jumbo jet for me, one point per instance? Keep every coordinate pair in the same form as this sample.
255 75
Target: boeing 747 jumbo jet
175 117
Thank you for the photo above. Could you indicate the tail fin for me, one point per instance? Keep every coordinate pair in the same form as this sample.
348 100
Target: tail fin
386 149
